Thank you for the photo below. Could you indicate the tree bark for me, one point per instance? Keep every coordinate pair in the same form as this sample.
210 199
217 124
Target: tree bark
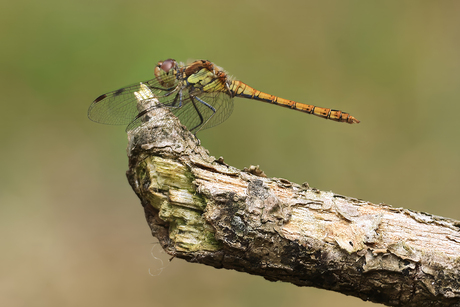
205 211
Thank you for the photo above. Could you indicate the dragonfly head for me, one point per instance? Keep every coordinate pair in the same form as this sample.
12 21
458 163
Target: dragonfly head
165 72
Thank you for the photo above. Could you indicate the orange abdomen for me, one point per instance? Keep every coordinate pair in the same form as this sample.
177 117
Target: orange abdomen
241 89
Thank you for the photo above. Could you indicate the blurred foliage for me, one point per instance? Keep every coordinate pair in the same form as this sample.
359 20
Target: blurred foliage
75 232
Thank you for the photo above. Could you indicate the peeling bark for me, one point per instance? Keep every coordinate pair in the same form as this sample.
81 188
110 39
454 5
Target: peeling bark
203 210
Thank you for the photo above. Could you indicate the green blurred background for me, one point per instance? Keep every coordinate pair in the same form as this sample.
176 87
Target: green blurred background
73 231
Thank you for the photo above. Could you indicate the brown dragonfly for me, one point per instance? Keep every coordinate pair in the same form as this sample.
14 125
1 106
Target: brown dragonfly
199 94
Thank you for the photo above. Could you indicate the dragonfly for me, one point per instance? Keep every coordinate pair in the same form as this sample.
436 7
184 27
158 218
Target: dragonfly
200 94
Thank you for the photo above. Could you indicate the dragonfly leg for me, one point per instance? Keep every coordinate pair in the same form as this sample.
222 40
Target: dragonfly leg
206 104
180 99
178 96
169 91
199 114
209 106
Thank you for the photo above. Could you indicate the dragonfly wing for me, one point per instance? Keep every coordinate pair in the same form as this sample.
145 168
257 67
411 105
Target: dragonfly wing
120 107
161 98
196 115
143 116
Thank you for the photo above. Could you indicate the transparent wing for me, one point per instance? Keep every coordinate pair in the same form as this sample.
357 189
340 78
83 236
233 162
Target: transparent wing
196 115
198 105
174 98
120 107
195 109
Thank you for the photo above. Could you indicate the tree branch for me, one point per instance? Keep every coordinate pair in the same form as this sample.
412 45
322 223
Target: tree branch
203 210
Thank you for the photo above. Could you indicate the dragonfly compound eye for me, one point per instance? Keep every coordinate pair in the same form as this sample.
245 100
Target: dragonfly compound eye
167 65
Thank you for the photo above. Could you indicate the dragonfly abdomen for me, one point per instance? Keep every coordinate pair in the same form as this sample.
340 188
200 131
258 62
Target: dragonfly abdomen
241 89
